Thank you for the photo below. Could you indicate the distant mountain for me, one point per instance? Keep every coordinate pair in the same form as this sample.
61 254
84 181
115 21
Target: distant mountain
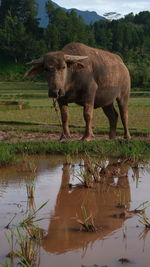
88 16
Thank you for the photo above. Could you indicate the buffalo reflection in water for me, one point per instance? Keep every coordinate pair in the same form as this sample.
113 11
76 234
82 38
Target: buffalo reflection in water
101 201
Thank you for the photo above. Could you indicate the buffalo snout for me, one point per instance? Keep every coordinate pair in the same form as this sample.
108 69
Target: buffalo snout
56 93
53 94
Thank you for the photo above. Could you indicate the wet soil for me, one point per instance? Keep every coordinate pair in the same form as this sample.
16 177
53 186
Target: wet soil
21 136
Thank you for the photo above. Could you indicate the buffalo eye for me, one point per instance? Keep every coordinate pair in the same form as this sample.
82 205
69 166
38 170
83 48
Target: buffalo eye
61 67
49 69
46 69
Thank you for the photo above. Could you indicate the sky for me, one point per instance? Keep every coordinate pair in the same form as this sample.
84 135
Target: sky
104 6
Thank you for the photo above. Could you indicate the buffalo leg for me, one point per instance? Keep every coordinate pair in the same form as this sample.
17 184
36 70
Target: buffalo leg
112 116
64 118
123 108
88 115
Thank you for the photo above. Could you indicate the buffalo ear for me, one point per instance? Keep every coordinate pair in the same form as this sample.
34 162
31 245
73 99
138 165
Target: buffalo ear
75 66
34 71
74 62
79 65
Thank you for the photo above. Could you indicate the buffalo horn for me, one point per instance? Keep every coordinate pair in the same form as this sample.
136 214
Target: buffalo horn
70 58
35 61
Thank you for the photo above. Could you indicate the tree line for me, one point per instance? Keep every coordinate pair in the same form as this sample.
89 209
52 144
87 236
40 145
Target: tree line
21 37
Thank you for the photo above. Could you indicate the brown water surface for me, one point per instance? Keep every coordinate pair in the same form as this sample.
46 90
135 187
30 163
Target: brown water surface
118 241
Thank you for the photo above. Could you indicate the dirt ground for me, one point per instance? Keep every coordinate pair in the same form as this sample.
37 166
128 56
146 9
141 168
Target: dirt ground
22 136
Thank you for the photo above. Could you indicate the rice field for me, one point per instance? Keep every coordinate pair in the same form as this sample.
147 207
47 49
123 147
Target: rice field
39 108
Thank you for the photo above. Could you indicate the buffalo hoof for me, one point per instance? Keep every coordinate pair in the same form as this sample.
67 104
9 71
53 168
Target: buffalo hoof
112 137
127 136
86 138
64 137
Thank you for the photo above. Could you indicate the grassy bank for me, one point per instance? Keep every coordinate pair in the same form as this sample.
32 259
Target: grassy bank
9 152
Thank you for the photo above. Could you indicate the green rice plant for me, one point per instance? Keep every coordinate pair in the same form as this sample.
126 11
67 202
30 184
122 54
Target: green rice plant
144 220
11 241
26 236
142 207
87 221
31 218
27 240
6 155
34 232
28 249
6 264
29 236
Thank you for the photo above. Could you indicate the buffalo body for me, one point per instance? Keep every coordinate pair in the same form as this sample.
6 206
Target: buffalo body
89 77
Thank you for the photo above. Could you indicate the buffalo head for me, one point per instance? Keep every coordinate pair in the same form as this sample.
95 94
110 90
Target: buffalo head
58 68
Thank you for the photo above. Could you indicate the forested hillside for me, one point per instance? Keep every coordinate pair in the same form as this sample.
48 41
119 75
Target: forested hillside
22 39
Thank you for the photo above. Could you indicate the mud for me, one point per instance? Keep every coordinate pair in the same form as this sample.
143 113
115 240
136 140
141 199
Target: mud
22 136
15 136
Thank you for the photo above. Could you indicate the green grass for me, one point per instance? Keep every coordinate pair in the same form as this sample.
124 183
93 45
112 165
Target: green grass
40 107
140 94
27 85
139 116
104 148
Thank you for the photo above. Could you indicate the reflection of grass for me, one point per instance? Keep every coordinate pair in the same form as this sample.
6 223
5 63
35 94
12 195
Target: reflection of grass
30 189
85 178
122 200
89 173
143 234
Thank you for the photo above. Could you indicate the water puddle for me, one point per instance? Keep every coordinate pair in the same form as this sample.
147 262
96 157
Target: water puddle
110 200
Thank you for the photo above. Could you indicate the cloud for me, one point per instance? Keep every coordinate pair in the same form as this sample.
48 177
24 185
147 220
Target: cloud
103 6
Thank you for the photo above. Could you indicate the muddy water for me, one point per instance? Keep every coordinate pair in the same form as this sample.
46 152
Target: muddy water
120 237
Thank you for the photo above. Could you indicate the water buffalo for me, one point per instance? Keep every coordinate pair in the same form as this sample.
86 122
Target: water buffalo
89 77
